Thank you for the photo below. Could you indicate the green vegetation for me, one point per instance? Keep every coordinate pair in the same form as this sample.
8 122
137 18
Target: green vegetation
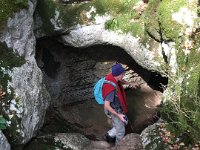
182 107
112 24
73 14
112 6
2 122
47 11
123 15
170 28
8 60
127 17
8 7
151 19
2 119
55 15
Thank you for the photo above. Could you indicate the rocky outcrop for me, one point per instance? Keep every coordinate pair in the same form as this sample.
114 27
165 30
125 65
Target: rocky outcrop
130 141
77 141
4 145
72 141
150 138
98 35
27 98
74 26
32 101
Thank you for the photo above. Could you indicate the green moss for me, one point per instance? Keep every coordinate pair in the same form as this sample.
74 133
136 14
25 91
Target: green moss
151 19
112 6
123 16
76 14
73 14
8 7
46 9
190 65
183 108
67 15
13 132
8 60
193 68
170 28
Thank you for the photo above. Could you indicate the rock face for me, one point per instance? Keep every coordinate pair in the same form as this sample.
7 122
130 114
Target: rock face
66 73
33 100
150 138
29 98
30 91
131 141
77 141
72 141
74 71
4 145
96 34
71 73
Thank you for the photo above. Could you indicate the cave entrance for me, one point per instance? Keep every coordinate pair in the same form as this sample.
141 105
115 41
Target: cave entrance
70 74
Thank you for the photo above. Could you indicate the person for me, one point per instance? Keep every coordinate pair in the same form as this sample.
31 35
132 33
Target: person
115 104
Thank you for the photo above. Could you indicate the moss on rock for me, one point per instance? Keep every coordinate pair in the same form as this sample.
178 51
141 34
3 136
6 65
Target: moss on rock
57 16
8 7
8 60
151 19
171 29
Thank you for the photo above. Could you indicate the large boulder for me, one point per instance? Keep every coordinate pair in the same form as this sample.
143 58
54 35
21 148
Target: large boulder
4 145
150 137
130 141
26 97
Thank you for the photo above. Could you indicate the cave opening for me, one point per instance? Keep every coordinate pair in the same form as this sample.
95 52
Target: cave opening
70 74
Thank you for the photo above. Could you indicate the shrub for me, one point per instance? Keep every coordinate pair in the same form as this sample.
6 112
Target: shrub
181 107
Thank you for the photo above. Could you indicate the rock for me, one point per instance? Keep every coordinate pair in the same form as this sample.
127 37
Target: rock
97 35
96 145
130 142
27 84
150 139
74 141
4 145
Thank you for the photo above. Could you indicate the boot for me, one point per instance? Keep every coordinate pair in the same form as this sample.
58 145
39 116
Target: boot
108 138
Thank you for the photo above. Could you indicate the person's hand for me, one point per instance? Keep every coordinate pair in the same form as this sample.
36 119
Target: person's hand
121 117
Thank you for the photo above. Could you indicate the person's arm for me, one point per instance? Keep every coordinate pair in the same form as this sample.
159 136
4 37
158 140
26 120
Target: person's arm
111 110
